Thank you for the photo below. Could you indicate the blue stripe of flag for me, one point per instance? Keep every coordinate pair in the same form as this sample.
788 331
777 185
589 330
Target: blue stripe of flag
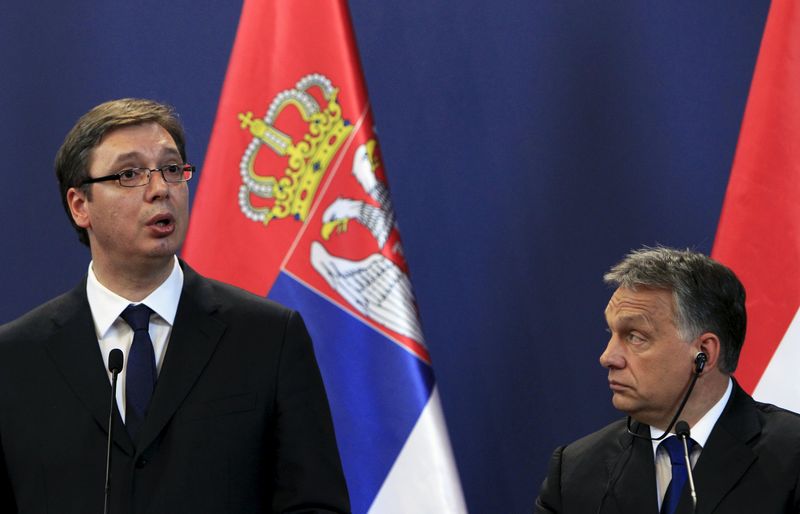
376 389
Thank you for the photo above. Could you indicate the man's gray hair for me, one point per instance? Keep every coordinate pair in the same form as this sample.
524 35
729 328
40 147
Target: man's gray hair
707 295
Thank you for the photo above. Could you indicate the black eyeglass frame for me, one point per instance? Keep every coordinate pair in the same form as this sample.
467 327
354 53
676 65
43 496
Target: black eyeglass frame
118 176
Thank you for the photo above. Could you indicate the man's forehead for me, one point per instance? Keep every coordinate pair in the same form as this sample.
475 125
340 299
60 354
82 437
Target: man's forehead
640 301
114 141
145 126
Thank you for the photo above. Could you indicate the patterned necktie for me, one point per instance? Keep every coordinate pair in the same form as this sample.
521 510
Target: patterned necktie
141 367
674 447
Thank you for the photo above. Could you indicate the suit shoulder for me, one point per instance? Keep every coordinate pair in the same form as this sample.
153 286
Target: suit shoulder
236 299
38 321
609 434
596 446
779 422
776 412
579 470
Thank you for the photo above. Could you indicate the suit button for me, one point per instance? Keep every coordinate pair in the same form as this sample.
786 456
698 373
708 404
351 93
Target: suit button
141 462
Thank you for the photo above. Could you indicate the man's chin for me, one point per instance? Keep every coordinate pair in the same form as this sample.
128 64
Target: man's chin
633 408
165 246
161 255
624 404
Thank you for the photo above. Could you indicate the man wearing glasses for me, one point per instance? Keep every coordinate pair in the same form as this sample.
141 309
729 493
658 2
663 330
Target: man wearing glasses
220 404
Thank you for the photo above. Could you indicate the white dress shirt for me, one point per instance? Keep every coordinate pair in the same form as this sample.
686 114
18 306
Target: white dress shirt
113 332
699 433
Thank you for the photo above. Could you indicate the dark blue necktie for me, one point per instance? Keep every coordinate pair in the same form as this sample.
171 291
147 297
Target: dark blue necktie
674 447
140 378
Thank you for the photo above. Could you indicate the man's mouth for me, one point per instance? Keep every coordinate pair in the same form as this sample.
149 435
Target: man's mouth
616 386
162 224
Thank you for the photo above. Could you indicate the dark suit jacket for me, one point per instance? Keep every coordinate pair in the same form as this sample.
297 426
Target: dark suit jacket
239 421
749 465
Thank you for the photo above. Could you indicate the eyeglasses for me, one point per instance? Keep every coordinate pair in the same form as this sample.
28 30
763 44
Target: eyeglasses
135 177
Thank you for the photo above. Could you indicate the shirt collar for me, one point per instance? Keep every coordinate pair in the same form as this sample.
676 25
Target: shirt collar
106 305
702 429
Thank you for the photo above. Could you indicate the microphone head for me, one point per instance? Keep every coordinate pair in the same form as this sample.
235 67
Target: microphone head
682 429
115 360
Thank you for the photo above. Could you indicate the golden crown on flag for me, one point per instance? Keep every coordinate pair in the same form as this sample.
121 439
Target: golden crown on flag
308 156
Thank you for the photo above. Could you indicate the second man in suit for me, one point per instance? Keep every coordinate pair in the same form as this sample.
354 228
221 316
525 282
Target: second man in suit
677 324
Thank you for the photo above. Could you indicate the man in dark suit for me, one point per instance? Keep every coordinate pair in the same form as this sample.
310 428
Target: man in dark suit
221 407
676 317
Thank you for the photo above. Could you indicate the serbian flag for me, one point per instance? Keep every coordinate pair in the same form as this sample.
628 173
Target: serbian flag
759 229
293 204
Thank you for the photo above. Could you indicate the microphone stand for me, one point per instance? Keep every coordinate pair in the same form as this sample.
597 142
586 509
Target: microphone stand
114 366
682 431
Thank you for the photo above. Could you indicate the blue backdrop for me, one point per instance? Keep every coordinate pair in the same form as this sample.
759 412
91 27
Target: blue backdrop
529 145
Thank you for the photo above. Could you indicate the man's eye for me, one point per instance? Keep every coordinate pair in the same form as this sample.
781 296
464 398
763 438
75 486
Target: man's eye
128 174
635 338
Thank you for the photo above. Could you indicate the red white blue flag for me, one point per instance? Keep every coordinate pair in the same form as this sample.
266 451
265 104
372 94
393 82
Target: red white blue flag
293 203
759 230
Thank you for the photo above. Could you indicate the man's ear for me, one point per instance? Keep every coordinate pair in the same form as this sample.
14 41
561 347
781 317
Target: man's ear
77 202
710 345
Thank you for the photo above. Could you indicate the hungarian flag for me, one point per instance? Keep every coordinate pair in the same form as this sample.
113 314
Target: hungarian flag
293 203
759 230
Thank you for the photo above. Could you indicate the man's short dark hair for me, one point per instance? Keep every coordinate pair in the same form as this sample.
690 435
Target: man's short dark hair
72 159
707 295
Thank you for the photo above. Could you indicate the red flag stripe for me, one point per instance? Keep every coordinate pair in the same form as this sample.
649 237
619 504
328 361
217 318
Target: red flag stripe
759 229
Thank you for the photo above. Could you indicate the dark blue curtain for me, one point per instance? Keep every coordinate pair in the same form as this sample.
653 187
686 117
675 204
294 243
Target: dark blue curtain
529 145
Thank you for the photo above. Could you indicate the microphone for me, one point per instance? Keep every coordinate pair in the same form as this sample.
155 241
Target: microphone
114 366
682 431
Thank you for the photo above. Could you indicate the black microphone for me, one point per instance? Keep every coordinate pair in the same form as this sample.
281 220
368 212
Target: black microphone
682 431
114 366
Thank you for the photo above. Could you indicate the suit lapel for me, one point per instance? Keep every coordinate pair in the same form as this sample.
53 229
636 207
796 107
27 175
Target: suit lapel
636 487
194 337
74 350
726 456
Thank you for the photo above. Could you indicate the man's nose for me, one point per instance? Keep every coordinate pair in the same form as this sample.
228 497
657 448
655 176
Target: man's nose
157 187
612 356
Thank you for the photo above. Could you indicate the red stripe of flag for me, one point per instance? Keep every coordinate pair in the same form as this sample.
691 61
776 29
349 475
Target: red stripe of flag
759 229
